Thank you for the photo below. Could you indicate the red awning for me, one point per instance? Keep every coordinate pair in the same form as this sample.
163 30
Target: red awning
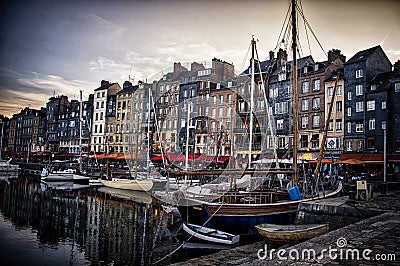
394 158
346 156
372 158
323 161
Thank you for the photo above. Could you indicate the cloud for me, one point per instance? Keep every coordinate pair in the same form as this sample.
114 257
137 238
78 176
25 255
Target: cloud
34 90
106 28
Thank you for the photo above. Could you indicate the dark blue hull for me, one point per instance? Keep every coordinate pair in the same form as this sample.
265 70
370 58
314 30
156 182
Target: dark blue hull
242 225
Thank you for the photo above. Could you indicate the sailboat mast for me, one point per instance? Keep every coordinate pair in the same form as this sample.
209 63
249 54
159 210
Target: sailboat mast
253 47
294 47
80 131
148 133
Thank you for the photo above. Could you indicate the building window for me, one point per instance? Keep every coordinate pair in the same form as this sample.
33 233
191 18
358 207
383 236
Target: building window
229 98
383 105
371 143
260 104
359 107
397 87
304 105
316 121
304 141
339 90
339 125
273 93
359 73
371 105
280 108
371 124
330 91
330 126
279 124
281 143
241 106
305 87
373 87
281 76
348 146
317 84
338 107
359 127
316 103
221 99
359 90
349 95
304 122
221 112
348 127
348 111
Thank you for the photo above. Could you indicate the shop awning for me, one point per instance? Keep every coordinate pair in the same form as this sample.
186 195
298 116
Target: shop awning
394 158
360 158
346 156
372 158
308 156
323 161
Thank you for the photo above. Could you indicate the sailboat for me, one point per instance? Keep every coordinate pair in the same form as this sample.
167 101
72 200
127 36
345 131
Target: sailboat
238 212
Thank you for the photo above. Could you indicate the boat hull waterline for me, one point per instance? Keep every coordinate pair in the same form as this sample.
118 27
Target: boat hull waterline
129 184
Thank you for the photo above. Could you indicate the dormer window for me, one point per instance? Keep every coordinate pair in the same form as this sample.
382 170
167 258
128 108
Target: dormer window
305 69
373 87
316 67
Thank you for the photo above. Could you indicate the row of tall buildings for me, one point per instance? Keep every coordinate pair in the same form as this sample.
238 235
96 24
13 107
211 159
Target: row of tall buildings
208 110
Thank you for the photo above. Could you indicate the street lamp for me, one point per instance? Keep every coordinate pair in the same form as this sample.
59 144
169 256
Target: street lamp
384 124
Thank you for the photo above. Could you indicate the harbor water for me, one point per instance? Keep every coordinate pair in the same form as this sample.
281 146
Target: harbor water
41 224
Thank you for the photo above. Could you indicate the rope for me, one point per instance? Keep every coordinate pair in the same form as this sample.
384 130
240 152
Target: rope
311 30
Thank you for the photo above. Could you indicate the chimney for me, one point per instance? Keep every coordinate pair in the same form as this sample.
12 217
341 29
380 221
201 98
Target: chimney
396 67
271 56
282 55
127 84
178 68
335 54
104 82
196 67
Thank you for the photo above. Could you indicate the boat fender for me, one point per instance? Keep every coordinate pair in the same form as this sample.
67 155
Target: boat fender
294 193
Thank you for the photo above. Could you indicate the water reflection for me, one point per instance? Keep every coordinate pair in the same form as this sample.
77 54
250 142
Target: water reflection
88 226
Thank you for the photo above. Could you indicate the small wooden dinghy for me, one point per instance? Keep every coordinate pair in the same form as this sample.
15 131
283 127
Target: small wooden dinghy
210 235
274 233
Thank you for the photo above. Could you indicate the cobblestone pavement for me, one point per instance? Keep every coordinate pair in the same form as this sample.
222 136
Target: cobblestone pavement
378 237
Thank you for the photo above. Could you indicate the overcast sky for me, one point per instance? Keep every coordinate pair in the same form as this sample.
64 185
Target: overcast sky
60 47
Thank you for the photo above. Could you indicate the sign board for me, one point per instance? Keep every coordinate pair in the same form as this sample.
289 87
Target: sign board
331 143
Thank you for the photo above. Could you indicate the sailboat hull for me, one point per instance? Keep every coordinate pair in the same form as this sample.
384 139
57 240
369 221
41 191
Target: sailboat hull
242 218
129 184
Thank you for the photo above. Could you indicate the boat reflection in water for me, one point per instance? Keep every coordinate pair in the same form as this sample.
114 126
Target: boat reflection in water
82 226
